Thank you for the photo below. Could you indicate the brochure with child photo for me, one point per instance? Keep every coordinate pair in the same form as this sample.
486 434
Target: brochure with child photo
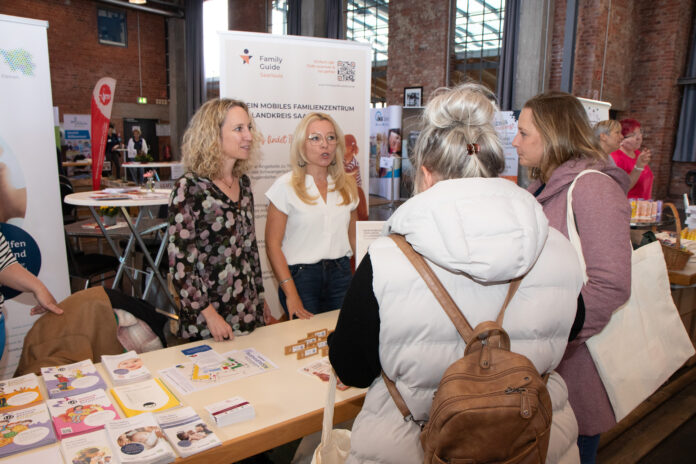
187 432
125 368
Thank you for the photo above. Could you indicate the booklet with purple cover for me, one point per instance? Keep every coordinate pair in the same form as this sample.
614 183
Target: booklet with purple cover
25 429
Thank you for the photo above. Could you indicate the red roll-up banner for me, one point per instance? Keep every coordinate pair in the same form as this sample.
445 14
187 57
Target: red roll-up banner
102 101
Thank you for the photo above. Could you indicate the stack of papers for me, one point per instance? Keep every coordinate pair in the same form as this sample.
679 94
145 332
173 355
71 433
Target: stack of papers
19 392
71 379
88 448
139 440
83 413
187 432
230 411
148 396
25 429
126 368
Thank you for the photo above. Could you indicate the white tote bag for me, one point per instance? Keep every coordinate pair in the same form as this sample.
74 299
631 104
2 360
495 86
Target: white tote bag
645 341
335 444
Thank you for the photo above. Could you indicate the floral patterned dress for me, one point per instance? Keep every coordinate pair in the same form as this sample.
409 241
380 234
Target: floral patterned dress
213 256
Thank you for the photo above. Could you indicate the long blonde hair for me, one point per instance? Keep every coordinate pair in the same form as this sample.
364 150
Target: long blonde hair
202 146
453 120
565 130
343 184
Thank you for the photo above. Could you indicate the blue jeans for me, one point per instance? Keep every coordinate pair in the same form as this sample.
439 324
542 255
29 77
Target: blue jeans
321 285
588 445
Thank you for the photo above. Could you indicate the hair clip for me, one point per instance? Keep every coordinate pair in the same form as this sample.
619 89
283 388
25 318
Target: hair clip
473 148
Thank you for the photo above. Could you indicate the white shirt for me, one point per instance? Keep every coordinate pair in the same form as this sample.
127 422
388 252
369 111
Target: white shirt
313 232
132 152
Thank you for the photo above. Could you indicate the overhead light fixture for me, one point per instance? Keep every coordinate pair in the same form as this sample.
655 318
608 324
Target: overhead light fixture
138 2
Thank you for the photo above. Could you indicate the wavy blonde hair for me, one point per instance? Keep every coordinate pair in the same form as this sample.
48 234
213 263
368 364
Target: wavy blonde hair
453 119
343 184
202 145
565 130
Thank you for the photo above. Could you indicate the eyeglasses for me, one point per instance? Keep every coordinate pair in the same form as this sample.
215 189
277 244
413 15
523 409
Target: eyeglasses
635 134
317 139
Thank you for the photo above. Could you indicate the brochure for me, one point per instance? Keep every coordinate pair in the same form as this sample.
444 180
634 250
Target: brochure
19 392
321 369
148 396
139 440
81 413
89 448
230 411
71 379
125 368
25 429
187 432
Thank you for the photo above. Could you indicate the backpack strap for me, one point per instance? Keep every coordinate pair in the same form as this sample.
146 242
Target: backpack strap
441 294
450 307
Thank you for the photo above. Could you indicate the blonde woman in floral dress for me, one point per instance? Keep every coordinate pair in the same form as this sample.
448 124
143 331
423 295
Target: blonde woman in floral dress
213 256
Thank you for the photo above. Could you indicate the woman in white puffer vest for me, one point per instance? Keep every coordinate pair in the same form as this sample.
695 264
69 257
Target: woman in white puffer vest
475 230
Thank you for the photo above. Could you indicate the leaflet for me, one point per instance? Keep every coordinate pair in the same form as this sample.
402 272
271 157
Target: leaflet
71 379
189 377
25 429
187 432
125 368
139 440
78 414
93 447
19 392
148 396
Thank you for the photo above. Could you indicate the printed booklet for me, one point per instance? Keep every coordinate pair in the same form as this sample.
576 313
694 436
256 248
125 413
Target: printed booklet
71 379
125 368
139 440
148 396
187 432
19 392
78 414
25 429
89 448
230 411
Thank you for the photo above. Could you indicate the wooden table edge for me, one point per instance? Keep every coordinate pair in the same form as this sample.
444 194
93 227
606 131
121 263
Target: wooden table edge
257 442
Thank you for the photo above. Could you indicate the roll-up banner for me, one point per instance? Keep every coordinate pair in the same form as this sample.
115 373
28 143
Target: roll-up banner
283 78
102 101
30 203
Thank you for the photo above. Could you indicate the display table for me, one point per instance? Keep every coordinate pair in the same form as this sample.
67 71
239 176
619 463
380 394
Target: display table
160 197
683 285
288 404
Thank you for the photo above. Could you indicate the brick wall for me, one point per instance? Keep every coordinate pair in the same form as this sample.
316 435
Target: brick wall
417 47
645 55
77 60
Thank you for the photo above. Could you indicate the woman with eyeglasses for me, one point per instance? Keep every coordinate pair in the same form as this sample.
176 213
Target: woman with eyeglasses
634 161
310 228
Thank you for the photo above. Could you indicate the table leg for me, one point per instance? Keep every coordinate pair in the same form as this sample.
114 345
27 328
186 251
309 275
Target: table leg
119 272
146 255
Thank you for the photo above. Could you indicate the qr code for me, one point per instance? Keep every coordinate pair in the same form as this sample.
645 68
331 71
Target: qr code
346 71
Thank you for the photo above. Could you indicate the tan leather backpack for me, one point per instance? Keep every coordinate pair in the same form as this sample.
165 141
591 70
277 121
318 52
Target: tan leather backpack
491 406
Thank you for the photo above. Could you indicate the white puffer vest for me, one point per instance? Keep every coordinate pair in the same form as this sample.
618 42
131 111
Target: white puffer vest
475 233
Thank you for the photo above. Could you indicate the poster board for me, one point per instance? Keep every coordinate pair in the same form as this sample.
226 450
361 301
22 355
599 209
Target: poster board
596 110
283 78
28 150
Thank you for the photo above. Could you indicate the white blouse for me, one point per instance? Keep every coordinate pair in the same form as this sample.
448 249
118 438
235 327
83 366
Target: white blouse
313 232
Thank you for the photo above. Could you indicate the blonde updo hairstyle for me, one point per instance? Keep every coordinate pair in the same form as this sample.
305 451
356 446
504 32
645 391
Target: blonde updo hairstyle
452 120
202 143
343 184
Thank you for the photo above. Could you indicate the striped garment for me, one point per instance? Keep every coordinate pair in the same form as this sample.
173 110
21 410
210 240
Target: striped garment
6 258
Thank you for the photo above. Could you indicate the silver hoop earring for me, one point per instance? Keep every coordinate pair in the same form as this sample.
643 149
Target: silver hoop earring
301 163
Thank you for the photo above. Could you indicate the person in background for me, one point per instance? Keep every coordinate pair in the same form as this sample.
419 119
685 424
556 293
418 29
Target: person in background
213 255
14 276
310 227
477 232
608 133
352 167
634 160
136 145
113 142
556 142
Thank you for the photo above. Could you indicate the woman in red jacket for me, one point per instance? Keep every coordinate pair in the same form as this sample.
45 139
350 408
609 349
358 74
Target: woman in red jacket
634 161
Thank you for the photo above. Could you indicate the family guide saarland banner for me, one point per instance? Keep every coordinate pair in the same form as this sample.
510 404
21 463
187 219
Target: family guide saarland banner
283 78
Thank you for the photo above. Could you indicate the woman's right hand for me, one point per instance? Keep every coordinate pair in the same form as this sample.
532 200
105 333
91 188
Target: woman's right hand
296 309
218 326
643 158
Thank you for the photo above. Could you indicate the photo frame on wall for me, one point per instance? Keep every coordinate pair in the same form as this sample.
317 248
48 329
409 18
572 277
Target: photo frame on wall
111 26
413 97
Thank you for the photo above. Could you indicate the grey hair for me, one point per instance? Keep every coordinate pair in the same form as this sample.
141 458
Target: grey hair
453 119
605 127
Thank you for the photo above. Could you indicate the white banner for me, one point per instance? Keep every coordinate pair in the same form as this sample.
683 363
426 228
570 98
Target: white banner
29 171
283 78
